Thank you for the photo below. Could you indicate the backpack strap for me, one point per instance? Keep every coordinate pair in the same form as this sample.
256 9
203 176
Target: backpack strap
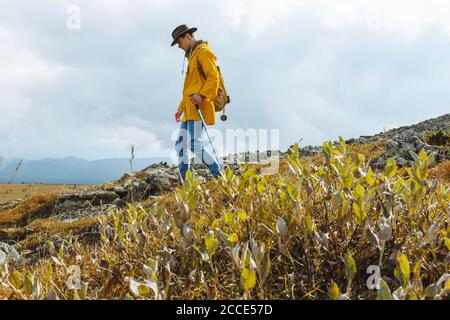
200 69
202 73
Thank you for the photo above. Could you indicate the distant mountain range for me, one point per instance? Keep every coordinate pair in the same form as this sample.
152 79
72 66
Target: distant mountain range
70 170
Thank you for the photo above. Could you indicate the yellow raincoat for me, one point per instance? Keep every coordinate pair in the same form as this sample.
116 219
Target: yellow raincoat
194 83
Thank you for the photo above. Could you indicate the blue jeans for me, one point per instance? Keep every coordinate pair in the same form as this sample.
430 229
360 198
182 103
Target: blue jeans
190 139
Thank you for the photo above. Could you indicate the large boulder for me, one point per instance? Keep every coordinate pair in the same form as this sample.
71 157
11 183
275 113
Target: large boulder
74 206
148 182
88 197
161 177
77 214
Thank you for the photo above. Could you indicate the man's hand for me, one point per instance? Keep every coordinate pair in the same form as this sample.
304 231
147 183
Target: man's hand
178 115
196 99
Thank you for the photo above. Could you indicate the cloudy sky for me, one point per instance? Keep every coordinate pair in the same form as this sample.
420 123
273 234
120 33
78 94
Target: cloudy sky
312 69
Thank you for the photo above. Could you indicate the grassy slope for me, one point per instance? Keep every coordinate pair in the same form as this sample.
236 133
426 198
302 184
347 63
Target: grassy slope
223 216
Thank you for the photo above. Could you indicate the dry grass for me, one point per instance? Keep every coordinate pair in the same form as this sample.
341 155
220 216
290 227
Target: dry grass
285 215
370 151
281 218
38 231
49 228
36 207
441 172
5 292
25 191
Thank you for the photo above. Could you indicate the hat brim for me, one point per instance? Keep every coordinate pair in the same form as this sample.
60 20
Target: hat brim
174 42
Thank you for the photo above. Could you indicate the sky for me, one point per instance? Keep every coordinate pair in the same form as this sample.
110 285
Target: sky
90 78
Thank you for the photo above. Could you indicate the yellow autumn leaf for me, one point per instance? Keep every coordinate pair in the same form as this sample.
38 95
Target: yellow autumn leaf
333 291
211 243
248 279
447 243
242 215
233 238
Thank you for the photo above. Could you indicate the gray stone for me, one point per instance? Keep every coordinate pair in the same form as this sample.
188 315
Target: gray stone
93 197
402 162
120 203
90 237
161 178
8 253
392 145
75 215
74 206
137 189
120 190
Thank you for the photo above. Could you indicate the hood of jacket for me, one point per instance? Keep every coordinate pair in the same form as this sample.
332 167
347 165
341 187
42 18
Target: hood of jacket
197 45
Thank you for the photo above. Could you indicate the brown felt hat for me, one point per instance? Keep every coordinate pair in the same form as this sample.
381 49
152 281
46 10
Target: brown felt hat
180 31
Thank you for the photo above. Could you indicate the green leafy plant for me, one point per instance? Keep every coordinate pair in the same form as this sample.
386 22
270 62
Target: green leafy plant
308 232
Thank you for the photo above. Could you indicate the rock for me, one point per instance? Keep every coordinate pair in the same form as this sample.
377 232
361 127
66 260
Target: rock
93 197
202 171
130 188
161 178
3 235
402 162
392 145
401 142
380 163
120 190
402 145
8 253
307 151
73 206
90 237
138 190
10 203
75 215
407 148
119 203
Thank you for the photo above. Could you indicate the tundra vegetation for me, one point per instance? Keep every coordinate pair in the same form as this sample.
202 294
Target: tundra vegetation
311 231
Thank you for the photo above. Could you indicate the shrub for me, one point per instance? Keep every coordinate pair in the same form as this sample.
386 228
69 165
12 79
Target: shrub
437 138
312 233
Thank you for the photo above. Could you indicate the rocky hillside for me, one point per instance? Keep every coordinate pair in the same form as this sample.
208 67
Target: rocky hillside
27 226
155 180
400 142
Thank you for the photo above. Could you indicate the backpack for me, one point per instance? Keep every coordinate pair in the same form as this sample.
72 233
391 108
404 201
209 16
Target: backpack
222 99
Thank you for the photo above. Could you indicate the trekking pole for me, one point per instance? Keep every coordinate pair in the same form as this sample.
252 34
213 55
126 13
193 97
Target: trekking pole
207 133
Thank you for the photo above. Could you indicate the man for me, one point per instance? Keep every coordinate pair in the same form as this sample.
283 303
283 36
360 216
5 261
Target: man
200 88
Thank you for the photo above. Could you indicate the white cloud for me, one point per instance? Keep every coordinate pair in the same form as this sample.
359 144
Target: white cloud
145 142
20 67
256 16
313 69
408 17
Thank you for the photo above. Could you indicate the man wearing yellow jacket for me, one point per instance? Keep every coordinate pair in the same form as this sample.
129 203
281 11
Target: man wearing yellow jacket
200 88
